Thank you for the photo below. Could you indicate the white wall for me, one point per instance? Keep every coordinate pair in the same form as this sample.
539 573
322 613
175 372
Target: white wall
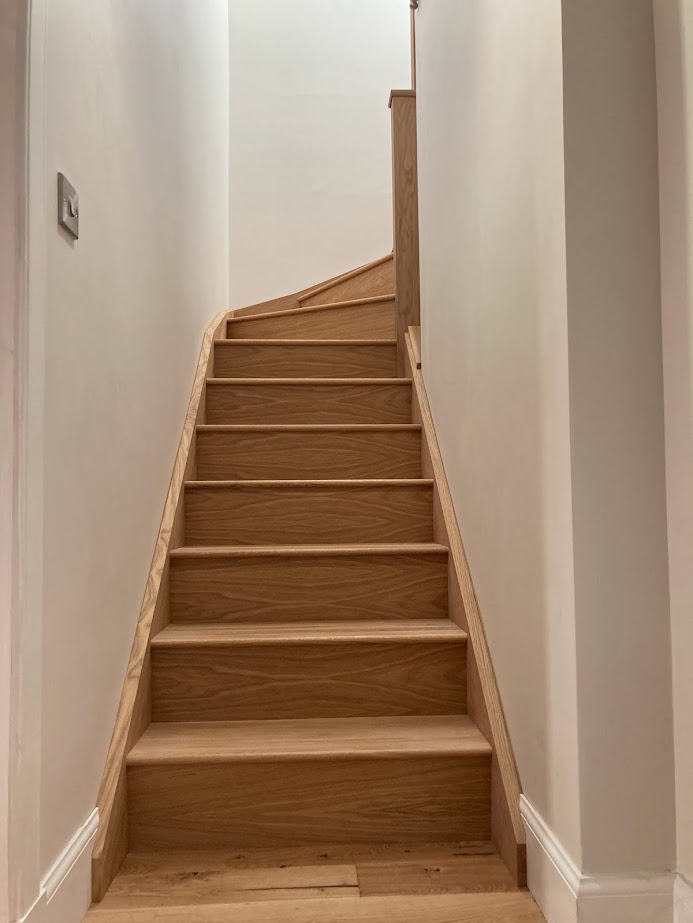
617 436
542 357
137 117
310 165
674 22
495 353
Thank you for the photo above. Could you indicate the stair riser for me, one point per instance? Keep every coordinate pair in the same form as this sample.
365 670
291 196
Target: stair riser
292 403
307 515
293 803
354 322
236 359
294 589
285 455
326 680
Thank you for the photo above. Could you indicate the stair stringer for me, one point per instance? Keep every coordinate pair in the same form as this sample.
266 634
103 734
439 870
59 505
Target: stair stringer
484 702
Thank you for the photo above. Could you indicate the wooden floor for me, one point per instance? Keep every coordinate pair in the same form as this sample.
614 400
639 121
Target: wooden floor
438 883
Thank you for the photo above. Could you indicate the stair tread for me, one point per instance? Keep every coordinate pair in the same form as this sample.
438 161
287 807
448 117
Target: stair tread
311 738
327 382
310 309
377 548
284 341
315 482
308 427
382 630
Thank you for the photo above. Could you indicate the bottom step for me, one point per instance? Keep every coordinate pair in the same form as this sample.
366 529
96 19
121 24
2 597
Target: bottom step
289 783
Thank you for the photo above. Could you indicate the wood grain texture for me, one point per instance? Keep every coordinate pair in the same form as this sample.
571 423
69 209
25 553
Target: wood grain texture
371 631
294 584
501 907
348 451
146 864
133 711
313 739
295 783
394 94
163 879
222 672
363 318
508 828
415 334
222 805
244 358
362 282
199 884
308 401
457 874
303 512
377 278
405 196
187 882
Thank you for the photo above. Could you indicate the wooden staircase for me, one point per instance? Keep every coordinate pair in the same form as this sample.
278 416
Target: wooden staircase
327 723
297 681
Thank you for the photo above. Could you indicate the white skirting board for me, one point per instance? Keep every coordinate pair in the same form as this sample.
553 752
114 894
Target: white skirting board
565 895
65 891
683 900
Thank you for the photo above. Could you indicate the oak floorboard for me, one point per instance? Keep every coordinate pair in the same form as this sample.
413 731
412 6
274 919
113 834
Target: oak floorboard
198 883
500 907
456 874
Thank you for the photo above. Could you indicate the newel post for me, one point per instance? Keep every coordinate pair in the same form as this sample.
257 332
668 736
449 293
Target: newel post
405 200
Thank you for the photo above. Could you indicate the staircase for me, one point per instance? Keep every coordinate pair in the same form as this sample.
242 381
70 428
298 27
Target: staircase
309 735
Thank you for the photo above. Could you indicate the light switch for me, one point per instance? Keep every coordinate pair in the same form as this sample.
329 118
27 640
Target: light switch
68 206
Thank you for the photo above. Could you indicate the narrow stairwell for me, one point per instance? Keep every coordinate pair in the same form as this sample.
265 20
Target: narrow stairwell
307 693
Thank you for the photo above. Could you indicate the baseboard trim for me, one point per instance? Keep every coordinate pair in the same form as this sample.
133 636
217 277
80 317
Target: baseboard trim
65 892
683 900
565 895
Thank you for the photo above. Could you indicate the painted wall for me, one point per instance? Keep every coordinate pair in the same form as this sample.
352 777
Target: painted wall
542 356
674 30
310 163
617 436
137 118
495 355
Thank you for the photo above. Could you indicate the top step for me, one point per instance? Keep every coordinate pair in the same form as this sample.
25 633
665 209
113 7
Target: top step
365 318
